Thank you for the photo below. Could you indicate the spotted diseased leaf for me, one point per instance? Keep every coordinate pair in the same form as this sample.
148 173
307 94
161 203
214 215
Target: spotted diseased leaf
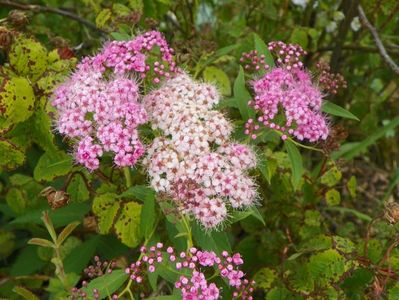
106 207
127 227
219 78
333 197
343 244
331 177
77 189
11 156
52 164
327 266
28 58
16 101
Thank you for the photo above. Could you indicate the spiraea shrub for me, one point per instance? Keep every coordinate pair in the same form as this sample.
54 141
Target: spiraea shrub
198 150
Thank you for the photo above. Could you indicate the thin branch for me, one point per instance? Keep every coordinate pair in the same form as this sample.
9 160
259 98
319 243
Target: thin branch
46 9
385 56
391 49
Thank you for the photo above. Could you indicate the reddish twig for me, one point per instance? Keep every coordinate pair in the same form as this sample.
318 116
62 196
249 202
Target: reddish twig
384 54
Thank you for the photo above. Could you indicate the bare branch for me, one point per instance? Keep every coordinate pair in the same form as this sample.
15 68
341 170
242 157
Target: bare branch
385 56
46 9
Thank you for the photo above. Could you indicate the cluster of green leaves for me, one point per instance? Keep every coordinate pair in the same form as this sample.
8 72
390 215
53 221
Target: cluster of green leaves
317 232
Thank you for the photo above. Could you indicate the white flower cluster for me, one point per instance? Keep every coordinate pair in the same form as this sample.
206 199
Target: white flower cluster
194 162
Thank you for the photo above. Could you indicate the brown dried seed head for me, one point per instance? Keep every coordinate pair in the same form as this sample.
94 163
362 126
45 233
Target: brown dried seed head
17 18
392 212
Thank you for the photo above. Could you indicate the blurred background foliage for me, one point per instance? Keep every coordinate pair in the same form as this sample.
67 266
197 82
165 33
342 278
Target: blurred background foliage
332 237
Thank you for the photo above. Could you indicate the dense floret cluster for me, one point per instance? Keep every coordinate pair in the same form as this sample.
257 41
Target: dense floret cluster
102 111
192 266
194 162
102 116
286 99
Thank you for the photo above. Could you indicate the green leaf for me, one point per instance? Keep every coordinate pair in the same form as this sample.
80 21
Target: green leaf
28 58
11 156
239 215
16 101
300 36
16 200
333 197
7 243
147 218
261 47
139 192
265 277
393 292
327 266
344 245
61 216
120 36
370 140
263 166
41 130
41 243
212 240
78 258
25 293
280 293
356 213
106 207
77 189
127 227
52 164
296 163
107 284
333 109
103 17
218 77
331 177
242 96
66 232
27 262
352 185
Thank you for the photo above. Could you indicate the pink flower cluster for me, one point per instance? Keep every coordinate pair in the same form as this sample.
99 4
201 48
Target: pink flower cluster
291 93
194 162
286 99
101 111
192 266
102 116
137 55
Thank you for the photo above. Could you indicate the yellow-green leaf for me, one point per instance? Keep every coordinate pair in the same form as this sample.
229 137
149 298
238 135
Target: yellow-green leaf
218 77
127 227
333 197
16 101
105 207
28 58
